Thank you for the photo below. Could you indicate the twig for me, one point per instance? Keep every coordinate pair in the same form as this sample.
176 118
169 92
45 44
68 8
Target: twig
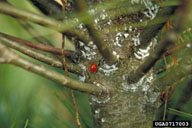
121 8
165 105
43 20
76 109
42 47
32 31
165 61
152 30
39 55
185 65
176 73
63 40
64 2
12 58
52 8
177 47
101 45
157 20
160 48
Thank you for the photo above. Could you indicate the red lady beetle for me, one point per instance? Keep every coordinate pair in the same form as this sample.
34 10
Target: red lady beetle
93 67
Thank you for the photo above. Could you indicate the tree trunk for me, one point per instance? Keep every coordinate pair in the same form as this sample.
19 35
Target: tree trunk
126 106
132 110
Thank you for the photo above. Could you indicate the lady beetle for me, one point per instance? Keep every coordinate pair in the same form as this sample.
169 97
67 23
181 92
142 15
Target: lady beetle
93 67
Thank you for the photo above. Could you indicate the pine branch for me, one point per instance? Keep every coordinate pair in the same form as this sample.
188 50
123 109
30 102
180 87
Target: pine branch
183 69
101 45
33 32
162 46
11 57
43 20
15 44
152 30
42 40
157 52
42 47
